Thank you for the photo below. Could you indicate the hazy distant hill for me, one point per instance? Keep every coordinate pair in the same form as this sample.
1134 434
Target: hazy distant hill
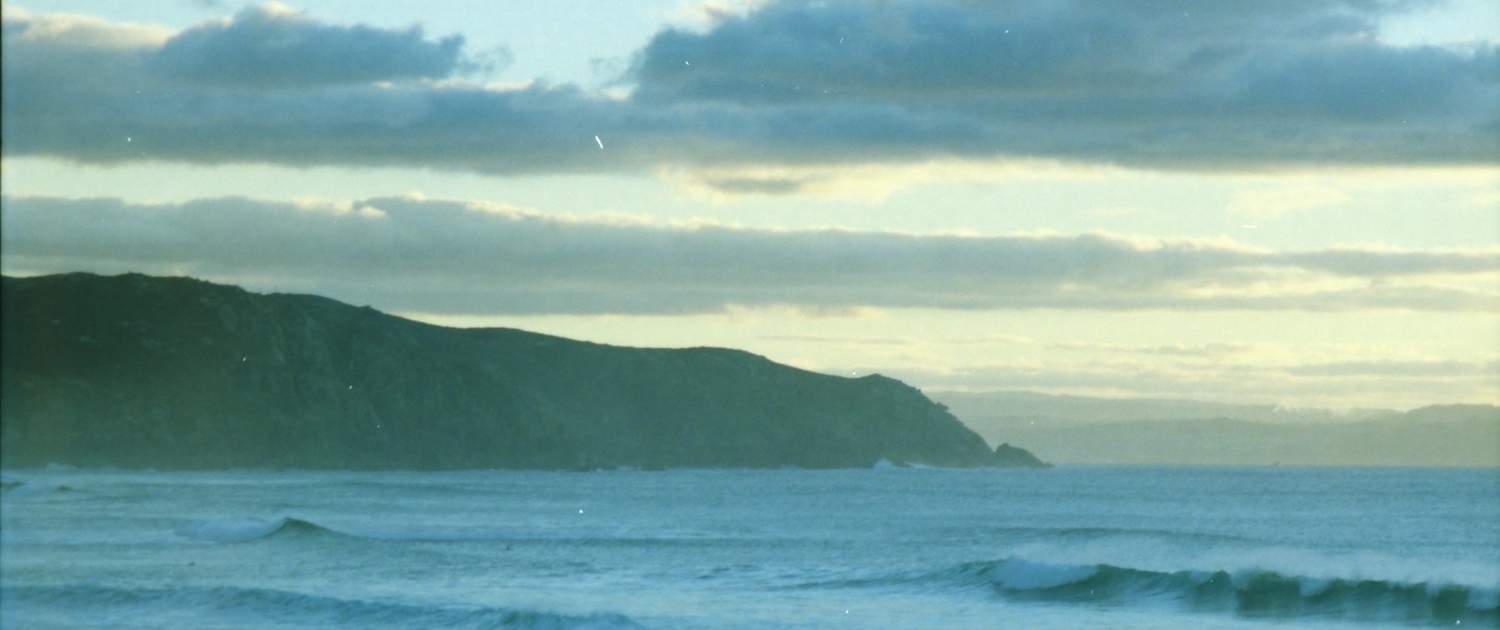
139 371
1070 429
1006 408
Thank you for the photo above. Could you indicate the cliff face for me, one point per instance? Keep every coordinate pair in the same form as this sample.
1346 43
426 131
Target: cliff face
137 371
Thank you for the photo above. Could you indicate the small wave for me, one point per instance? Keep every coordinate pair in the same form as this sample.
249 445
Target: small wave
1262 594
244 529
227 530
1097 533
299 608
19 488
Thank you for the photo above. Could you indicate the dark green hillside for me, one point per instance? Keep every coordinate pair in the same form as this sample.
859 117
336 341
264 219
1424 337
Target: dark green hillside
139 371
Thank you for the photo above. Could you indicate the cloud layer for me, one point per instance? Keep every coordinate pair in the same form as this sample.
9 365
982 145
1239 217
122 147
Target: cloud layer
457 257
1180 84
274 47
1369 385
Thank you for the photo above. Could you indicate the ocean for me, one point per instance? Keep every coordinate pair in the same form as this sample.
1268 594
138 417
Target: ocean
1068 547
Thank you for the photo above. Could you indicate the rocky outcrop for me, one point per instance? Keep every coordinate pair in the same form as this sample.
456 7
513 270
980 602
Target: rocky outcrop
139 371
1007 455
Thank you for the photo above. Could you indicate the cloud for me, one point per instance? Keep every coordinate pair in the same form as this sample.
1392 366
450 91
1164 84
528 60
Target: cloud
1181 84
274 46
1378 383
842 341
1145 83
1216 351
1389 368
710 12
873 181
457 257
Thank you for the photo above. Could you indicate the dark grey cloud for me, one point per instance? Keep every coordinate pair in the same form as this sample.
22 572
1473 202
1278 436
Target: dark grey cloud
1064 48
1169 84
442 256
271 46
1197 84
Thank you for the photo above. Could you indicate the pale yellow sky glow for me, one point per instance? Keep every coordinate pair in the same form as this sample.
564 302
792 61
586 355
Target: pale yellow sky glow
1325 243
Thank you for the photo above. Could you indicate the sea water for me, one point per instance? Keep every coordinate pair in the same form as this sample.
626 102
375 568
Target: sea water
1069 547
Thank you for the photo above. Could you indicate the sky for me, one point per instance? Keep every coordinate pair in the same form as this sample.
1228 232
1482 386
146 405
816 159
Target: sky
1291 202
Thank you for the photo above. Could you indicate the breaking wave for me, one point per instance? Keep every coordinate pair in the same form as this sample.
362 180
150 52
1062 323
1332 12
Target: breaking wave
1249 593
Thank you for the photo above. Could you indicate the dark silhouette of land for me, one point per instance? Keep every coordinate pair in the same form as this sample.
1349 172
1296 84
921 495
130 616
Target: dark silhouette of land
174 373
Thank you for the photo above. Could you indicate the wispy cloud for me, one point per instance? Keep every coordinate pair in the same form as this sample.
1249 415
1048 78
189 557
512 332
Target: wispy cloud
446 256
1432 369
1196 85
1210 350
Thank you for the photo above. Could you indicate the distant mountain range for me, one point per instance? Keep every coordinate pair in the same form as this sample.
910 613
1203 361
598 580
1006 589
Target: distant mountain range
174 373
1082 430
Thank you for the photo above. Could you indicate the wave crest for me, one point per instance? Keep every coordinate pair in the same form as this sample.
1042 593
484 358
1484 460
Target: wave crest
1246 593
226 530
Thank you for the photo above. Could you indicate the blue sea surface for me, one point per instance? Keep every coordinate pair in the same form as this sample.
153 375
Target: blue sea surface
1069 547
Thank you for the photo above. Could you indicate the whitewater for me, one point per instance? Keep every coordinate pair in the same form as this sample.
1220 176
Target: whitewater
1069 547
